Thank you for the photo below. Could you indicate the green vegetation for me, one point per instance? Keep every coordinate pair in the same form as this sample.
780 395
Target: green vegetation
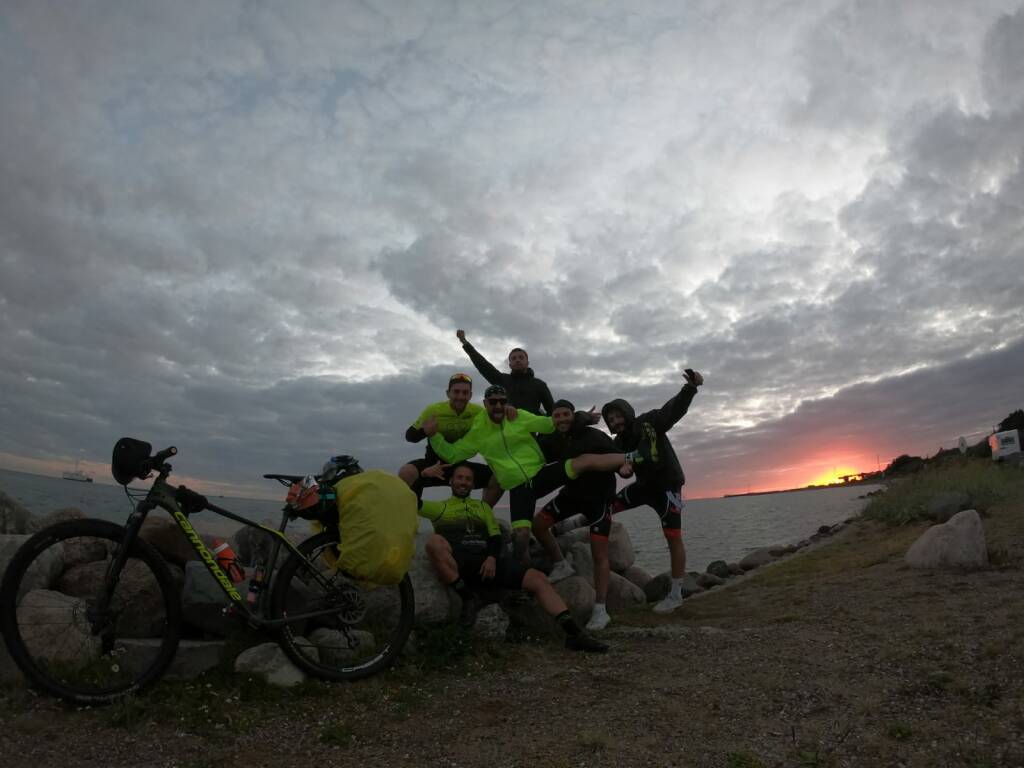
906 500
743 759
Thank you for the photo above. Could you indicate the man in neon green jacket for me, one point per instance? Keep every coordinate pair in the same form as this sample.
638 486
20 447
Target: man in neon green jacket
465 552
512 453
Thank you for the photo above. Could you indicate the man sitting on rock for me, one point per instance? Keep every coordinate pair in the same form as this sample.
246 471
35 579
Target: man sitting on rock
659 477
590 495
466 553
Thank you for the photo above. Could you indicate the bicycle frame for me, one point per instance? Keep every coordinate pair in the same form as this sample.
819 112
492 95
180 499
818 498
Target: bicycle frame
162 495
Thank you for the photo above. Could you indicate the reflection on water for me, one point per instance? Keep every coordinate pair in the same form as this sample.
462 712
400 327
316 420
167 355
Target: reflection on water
714 529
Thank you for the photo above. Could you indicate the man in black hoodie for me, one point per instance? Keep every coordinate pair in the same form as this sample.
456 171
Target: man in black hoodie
659 477
590 494
524 389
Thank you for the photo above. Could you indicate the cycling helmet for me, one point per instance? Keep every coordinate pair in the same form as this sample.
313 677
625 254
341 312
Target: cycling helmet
338 467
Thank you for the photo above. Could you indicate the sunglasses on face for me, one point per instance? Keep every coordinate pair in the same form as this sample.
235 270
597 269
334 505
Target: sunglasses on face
497 400
460 377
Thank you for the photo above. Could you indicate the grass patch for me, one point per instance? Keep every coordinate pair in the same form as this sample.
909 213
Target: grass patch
899 731
906 500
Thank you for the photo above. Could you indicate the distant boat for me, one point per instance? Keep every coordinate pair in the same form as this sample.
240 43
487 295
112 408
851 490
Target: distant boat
76 475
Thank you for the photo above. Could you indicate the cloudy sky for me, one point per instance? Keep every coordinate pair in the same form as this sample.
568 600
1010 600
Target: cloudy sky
251 229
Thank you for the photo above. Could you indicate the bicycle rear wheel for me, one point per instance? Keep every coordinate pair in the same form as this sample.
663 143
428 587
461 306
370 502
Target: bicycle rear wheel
73 636
365 628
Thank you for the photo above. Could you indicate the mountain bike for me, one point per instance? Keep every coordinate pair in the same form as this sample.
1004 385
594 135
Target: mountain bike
91 612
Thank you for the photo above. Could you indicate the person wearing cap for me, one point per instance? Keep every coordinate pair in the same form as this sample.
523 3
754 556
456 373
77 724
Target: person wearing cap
523 388
465 553
454 417
659 476
590 495
511 451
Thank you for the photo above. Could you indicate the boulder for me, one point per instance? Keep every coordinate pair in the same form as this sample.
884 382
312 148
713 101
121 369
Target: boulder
491 623
203 602
53 626
709 580
958 543
43 572
756 559
824 530
620 548
268 663
193 657
735 569
433 605
138 597
164 535
623 594
334 648
719 568
659 586
637 575
57 516
252 545
944 505
778 550
14 518
86 549
571 525
578 554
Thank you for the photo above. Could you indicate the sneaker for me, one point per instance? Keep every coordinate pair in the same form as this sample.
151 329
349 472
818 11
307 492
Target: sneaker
562 570
668 605
598 620
471 605
586 643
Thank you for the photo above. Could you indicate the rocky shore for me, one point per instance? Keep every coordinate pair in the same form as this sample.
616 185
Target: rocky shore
843 653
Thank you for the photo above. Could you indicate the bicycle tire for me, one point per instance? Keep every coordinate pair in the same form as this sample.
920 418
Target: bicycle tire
325 650
58 641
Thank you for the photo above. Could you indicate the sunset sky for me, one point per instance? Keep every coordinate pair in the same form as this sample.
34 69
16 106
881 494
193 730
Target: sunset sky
251 229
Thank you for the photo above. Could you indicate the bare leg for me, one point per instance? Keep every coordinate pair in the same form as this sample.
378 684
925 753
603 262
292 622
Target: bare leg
492 493
439 551
542 531
677 555
521 545
598 462
538 585
602 569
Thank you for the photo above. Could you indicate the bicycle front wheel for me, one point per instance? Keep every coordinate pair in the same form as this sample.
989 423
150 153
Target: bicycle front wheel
78 630
358 630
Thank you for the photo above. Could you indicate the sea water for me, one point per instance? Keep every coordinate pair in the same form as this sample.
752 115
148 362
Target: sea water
713 529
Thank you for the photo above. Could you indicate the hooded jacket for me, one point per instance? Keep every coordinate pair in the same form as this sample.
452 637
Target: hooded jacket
524 389
508 447
657 465
580 439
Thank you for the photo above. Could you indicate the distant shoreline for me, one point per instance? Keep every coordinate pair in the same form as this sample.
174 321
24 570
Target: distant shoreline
805 488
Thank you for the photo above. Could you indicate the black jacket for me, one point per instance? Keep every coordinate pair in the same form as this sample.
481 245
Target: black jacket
582 438
524 389
658 466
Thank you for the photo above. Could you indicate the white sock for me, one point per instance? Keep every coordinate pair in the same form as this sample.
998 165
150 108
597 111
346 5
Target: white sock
677 588
599 609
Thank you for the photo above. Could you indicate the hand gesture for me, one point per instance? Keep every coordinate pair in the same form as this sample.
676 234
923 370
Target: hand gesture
435 470
626 470
462 335
693 377
487 569
593 417
511 412
430 426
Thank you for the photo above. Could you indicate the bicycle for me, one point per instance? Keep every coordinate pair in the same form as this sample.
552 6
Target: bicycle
113 626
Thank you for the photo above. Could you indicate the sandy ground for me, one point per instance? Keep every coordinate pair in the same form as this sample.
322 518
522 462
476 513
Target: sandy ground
841 656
